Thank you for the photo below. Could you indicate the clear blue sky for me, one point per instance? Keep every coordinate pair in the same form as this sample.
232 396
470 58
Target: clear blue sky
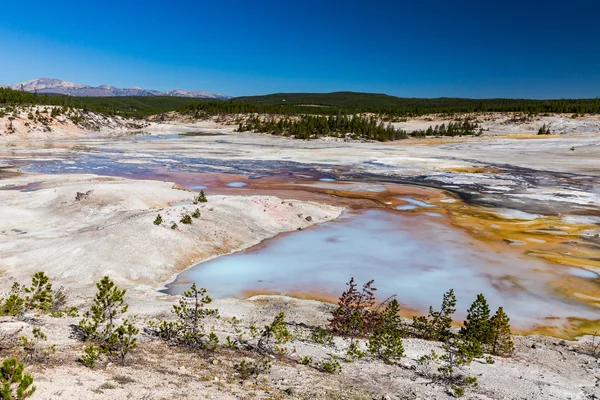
417 48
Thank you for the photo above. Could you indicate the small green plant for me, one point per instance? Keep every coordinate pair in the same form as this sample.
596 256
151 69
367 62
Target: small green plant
186 219
354 352
321 336
34 351
306 360
196 213
173 225
15 384
40 295
436 326
201 198
158 220
14 304
91 355
123 340
188 329
230 344
99 323
273 336
330 366
386 340
249 369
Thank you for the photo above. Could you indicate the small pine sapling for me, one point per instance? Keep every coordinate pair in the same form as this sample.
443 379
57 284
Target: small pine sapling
91 355
330 366
386 340
98 323
501 339
15 384
477 325
34 351
186 219
196 213
248 369
123 340
188 329
201 198
14 304
40 295
436 326
158 220
274 335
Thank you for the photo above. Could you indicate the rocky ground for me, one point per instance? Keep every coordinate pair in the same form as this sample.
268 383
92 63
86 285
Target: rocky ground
541 367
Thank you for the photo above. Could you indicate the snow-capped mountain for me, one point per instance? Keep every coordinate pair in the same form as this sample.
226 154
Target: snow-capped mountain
49 85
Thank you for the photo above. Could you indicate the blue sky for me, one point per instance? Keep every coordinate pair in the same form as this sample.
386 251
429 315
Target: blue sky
418 48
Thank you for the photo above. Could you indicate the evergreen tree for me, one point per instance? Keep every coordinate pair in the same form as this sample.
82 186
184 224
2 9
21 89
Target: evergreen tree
41 294
386 340
99 322
438 323
477 325
501 340
16 385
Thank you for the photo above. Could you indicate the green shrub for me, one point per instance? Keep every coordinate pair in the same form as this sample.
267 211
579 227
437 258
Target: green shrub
436 326
477 327
501 340
306 360
14 304
34 351
274 335
196 213
158 220
99 324
386 340
249 369
15 384
91 355
188 329
321 336
41 296
201 198
186 219
330 366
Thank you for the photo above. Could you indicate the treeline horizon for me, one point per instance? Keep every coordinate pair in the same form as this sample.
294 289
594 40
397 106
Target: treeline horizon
386 107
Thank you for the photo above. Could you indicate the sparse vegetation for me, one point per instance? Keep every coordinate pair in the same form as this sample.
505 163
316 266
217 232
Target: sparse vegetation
16 385
196 213
186 219
200 198
386 340
158 220
189 327
99 325
34 350
436 326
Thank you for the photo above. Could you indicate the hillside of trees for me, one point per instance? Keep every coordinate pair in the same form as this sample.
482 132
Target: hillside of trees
396 106
136 107
355 127
387 107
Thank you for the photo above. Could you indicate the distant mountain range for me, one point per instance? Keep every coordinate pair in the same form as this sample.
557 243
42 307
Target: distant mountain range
49 85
